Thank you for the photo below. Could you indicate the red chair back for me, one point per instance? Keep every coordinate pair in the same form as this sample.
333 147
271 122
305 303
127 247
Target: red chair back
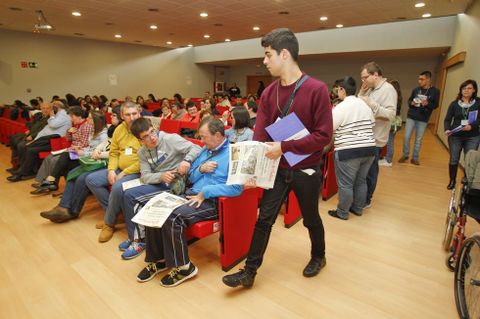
170 126
195 141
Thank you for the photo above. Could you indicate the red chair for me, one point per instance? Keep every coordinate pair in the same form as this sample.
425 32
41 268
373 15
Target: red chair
222 109
190 125
195 141
151 106
237 216
170 126
108 117
56 144
329 184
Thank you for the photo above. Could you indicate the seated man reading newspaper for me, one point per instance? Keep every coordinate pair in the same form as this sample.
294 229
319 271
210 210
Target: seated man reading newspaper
166 246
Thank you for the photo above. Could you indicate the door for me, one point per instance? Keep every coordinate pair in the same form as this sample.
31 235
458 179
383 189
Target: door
253 82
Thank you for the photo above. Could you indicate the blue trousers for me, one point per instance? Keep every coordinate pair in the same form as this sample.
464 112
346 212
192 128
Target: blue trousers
419 127
111 201
133 201
372 176
75 194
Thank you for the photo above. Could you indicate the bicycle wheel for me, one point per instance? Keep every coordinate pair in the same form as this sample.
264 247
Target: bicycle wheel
467 279
450 222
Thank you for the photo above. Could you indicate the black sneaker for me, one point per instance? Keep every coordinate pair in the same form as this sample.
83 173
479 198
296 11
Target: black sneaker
242 277
334 213
150 271
176 276
314 266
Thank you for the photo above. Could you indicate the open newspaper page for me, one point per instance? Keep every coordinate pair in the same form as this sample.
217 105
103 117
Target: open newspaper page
248 161
157 210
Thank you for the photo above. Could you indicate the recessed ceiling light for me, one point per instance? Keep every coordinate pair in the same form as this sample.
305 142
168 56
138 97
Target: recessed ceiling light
206 36
190 45
153 27
169 42
227 40
339 25
76 14
324 18
256 28
118 36
426 15
419 5
204 14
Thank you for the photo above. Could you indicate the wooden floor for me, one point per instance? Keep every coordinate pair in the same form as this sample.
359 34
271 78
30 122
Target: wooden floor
386 264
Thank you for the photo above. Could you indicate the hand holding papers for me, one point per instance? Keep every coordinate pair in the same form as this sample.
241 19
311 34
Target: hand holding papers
157 210
248 161
472 116
286 129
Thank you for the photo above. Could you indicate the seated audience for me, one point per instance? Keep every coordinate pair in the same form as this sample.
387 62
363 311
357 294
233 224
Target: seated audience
85 135
240 131
178 112
192 113
161 157
57 125
252 112
76 190
166 247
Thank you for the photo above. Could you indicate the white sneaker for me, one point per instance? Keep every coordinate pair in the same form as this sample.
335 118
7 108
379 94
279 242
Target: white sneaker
384 162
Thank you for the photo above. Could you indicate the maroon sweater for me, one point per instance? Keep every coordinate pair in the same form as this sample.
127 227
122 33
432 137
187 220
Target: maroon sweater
312 106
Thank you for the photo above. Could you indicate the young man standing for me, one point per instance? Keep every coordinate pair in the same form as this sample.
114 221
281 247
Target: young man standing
421 103
308 98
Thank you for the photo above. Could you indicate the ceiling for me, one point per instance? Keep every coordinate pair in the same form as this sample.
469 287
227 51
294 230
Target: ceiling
180 23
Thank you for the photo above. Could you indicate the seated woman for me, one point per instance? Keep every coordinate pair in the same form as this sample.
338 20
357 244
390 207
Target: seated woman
76 191
240 131
163 109
209 105
96 127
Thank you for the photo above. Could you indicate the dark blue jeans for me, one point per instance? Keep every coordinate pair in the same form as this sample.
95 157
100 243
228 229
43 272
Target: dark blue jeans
457 143
75 194
306 188
372 176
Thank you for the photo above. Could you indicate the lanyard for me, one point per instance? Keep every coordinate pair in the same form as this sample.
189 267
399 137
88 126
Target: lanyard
290 100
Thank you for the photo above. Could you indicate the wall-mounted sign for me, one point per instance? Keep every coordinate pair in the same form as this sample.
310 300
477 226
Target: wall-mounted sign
28 65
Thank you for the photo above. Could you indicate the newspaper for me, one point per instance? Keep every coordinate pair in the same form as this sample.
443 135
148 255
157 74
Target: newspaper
157 209
248 161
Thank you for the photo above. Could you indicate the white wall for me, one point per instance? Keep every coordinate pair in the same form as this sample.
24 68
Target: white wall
467 33
82 66
425 33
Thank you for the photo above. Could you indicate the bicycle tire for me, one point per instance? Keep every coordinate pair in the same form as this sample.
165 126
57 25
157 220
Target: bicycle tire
467 279
450 222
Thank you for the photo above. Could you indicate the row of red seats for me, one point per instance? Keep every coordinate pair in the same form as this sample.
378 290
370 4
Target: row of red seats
9 127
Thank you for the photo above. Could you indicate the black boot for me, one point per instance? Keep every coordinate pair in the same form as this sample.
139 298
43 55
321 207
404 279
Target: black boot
453 176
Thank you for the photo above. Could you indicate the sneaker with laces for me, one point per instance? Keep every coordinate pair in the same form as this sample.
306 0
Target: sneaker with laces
243 277
385 163
125 244
134 250
176 276
150 271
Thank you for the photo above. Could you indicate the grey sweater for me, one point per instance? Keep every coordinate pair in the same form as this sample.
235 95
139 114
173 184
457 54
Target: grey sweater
171 149
383 102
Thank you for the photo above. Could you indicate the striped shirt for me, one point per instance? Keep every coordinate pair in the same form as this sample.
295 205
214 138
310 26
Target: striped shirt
353 123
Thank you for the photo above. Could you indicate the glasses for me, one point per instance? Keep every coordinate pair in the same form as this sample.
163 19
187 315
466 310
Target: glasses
149 136
365 77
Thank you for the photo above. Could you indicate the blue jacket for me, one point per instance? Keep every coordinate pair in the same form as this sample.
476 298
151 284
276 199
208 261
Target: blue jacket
213 184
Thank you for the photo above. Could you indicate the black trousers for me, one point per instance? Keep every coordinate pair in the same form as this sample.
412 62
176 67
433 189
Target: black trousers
29 162
63 166
306 188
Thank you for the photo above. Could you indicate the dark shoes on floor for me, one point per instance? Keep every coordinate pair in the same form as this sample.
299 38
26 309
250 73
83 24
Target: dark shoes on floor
46 187
334 213
243 277
414 162
451 184
58 215
314 266
17 177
